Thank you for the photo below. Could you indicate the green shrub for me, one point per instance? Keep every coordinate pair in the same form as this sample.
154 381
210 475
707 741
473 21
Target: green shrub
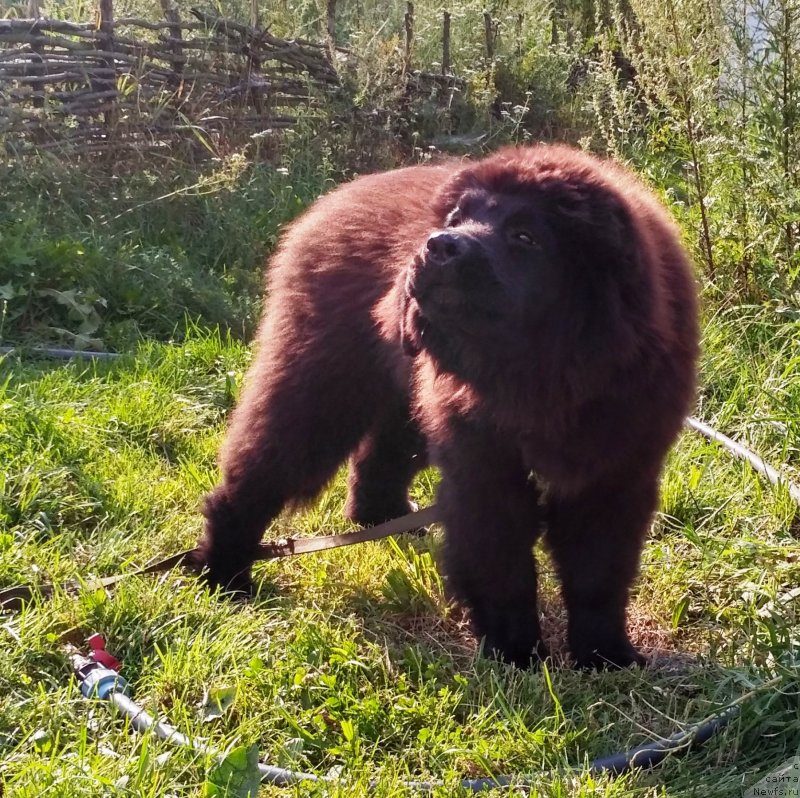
90 259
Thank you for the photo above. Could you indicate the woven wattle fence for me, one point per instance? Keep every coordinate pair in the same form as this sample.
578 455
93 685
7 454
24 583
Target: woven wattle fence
123 83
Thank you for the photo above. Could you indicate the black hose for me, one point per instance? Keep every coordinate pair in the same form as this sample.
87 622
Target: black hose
648 755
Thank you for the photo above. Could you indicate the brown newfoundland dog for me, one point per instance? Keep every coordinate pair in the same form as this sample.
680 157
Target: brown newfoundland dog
529 323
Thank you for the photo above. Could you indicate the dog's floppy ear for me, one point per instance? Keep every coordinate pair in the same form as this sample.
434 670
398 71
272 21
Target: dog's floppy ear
602 217
409 329
602 240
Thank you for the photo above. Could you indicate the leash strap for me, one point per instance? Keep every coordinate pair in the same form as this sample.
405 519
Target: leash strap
13 598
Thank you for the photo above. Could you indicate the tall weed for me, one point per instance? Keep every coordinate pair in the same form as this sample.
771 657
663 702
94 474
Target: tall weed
708 113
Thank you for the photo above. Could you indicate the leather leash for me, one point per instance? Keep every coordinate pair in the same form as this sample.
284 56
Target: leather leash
13 598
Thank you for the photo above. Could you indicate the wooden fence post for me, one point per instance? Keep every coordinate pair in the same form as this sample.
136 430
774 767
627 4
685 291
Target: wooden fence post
331 24
489 34
172 15
253 69
408 24
446 43
35 12
107 44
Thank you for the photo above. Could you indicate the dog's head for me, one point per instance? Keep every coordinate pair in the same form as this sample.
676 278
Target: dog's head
536 246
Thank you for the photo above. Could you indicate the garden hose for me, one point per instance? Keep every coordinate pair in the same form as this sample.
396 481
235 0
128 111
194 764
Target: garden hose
98 678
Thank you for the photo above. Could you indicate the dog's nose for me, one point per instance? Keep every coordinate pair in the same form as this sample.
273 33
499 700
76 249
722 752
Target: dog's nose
443 246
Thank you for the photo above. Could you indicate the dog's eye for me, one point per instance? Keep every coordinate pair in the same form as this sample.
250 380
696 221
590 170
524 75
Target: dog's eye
524 237
453 219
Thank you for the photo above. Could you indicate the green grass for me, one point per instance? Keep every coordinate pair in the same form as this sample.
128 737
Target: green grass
351 661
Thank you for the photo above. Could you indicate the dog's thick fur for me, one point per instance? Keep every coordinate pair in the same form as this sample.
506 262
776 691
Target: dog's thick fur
528 321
